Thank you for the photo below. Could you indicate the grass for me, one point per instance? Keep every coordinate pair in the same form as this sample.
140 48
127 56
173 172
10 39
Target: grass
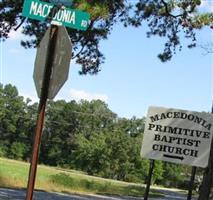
14 174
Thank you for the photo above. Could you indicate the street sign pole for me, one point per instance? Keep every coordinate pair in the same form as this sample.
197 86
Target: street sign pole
52 61
41 111
151 168
191 183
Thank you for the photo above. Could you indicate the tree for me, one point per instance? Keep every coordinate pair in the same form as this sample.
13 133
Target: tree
94 116
165 18
66 120
59 127
13 123
18 150
84 135
92 154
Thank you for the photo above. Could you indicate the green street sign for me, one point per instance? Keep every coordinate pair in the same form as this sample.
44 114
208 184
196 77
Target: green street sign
40 10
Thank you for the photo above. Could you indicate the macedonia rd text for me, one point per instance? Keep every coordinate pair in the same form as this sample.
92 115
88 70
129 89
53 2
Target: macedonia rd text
43 10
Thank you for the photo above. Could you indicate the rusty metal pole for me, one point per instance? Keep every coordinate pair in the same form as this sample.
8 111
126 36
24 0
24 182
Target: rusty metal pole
41 111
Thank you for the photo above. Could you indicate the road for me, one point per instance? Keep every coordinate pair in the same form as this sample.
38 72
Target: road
11 194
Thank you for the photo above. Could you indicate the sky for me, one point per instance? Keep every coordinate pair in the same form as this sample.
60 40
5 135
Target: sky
132 77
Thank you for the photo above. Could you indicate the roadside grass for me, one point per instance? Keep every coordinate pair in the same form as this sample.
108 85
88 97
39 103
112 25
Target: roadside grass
14 174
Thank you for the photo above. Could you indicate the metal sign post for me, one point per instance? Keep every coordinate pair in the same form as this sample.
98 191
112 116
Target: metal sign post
41 111
52 61
191 183
151 168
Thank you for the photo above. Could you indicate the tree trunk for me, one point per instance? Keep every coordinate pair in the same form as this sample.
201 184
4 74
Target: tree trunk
206 191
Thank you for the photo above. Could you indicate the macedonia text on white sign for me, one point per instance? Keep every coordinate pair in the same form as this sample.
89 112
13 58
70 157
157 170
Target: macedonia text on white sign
178 136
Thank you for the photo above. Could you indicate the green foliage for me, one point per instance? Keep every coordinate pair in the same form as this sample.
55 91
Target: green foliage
3 150
174 174
63 179
91 154
97 185
201 20
85 135
97 9
158 171
13 113
112 154
17 150
169 19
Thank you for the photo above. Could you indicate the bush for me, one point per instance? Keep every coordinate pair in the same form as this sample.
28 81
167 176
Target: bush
18 150
133 178
63 179
3 150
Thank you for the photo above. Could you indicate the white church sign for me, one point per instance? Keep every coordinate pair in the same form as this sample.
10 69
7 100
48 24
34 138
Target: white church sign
178 136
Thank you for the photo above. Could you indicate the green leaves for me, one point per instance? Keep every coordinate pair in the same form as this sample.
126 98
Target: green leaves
18 150
168 19
84 135
201 20
97 9
13 129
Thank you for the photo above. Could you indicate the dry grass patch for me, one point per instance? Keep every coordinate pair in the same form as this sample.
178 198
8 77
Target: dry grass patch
14 174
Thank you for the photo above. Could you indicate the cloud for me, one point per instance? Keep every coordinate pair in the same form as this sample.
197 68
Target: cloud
32 97
80 94
72 94
16 35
